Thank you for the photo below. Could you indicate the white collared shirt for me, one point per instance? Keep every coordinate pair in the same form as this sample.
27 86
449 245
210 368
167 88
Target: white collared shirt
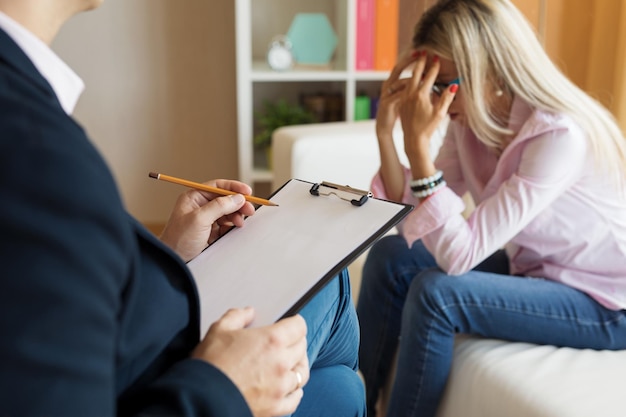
66 84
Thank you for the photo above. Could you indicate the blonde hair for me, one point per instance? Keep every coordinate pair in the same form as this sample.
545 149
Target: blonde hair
492 44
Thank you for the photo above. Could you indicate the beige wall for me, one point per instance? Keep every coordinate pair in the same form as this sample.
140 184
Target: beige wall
160 94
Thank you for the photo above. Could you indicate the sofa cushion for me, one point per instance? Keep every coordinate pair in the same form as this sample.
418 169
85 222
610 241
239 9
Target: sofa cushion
495 378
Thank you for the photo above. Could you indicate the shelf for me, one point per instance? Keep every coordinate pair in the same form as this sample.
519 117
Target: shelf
257 22
371 75
262 175
262 72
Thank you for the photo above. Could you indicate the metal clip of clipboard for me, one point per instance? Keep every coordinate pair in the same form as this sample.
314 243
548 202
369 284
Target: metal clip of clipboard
344 192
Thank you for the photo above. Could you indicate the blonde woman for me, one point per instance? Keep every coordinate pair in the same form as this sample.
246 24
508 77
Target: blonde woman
542 258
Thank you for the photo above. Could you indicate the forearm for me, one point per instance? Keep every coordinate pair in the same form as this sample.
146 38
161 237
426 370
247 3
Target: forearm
420 160
391 170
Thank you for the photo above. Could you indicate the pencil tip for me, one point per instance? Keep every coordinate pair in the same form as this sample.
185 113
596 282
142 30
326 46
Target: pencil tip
153 175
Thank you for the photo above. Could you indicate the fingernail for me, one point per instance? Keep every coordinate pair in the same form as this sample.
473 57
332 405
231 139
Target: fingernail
415 54
454 88
435 58
237 198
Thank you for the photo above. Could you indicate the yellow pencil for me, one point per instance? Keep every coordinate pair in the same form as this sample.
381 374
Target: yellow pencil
198 186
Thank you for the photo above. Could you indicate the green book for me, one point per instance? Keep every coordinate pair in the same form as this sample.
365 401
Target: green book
362 108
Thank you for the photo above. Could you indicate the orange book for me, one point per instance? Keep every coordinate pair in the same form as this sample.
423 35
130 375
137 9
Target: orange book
386 34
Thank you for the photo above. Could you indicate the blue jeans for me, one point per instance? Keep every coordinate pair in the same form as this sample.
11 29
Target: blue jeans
407 303
334 389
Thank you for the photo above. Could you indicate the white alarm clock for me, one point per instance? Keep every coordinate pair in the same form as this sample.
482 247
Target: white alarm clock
279 55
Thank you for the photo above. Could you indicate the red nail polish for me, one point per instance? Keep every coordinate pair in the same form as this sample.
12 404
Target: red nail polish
435 58
415 54
454 88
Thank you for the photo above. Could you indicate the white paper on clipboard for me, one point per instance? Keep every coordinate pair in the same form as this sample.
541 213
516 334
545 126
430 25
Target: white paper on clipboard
283 255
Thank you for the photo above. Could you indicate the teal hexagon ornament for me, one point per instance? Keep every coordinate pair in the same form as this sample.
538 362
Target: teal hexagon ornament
313 39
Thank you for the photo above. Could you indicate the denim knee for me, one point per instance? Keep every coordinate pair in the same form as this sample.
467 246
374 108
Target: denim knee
322 388
387 249
429 289
384 256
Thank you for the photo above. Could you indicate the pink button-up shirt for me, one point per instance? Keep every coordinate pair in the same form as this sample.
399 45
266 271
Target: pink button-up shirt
543 200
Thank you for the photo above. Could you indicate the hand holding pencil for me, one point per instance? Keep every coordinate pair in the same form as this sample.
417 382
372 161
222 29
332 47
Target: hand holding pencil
197 220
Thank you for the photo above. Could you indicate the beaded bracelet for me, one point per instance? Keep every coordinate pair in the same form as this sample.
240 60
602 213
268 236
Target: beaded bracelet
430 190
427 183
417 188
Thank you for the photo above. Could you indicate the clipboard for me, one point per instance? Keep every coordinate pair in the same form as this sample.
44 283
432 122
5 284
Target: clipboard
284 255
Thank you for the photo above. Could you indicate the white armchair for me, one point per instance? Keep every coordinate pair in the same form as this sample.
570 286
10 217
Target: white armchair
344 153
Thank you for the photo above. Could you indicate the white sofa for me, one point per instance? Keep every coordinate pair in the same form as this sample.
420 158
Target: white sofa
490 378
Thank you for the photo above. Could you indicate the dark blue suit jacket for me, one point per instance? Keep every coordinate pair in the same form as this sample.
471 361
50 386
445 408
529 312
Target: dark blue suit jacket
97 317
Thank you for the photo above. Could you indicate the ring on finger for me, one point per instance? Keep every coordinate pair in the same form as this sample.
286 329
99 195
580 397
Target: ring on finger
299 379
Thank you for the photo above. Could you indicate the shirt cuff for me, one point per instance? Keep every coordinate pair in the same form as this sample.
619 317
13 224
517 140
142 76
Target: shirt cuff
431 214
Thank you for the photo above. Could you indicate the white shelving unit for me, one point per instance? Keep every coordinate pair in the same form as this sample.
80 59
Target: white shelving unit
257 21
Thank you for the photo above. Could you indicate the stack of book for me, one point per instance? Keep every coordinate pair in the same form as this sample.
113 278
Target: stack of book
377 34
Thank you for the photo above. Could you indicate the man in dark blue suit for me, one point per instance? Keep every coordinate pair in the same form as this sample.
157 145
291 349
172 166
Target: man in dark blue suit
100 318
